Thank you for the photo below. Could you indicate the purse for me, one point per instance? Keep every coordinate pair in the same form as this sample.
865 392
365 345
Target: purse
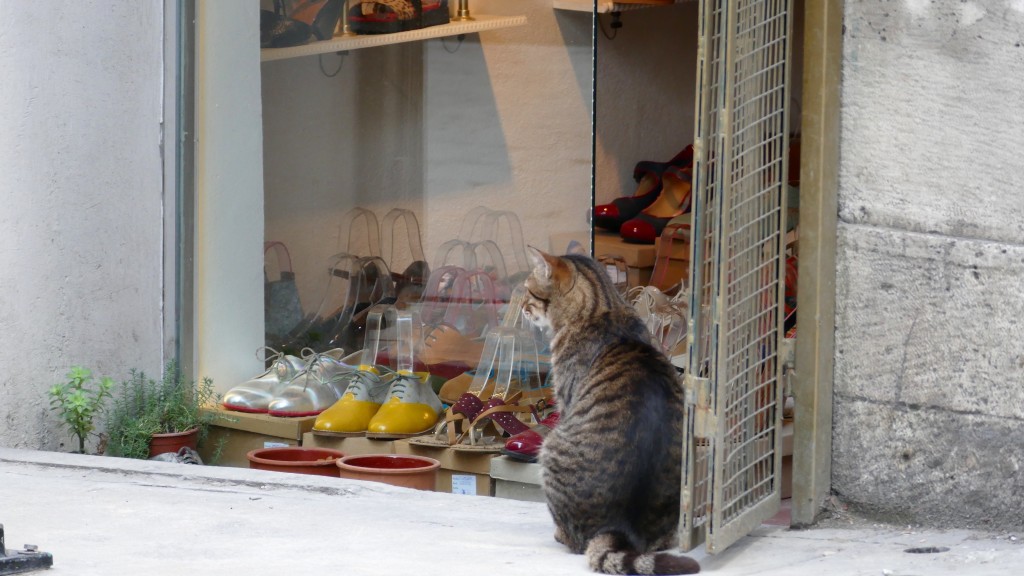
282 310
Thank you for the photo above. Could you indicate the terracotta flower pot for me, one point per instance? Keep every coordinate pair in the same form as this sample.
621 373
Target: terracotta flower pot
173 441
405 470
296 459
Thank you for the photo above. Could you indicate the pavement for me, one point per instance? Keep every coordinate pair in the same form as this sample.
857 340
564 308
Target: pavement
109 516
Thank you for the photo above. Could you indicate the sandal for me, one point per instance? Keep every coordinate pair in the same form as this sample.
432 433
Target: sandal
501 414
390 16
457 418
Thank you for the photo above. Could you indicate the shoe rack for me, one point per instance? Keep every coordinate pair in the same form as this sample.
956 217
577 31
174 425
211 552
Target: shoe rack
479 23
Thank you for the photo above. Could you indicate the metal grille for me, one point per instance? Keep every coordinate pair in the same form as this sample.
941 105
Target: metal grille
704 280
734 382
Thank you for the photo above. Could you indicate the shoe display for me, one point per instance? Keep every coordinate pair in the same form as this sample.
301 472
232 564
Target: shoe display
674 200
410 409
389 16
306 19
321 384
525 446
371 285
612 216
648 176
255 395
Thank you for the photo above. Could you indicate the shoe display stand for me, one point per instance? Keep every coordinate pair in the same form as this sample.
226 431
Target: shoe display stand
236 433
479 23
516 480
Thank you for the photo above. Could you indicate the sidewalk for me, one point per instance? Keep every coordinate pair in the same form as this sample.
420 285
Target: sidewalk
110 516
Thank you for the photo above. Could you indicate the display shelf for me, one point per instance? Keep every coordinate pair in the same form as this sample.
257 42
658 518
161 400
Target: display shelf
343 43
606 6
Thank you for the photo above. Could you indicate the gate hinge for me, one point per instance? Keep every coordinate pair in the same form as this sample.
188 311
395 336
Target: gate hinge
787 356
698 395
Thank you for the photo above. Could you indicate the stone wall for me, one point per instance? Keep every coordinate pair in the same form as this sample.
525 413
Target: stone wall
929 378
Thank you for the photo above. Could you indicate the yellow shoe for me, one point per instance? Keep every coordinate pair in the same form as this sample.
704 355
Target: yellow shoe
410 409
351 415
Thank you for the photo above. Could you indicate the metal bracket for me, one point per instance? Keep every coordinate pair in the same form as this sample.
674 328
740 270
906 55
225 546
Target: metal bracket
698 395
787 356
22 560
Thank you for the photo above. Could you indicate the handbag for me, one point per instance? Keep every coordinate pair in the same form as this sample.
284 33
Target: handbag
282 310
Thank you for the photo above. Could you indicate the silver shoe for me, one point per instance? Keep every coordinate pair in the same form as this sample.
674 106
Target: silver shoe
316 388
255 395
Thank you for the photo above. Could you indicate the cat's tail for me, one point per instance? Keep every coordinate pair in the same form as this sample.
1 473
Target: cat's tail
611 553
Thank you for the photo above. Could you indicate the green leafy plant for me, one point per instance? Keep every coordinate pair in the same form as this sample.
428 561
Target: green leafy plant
78 403
145 406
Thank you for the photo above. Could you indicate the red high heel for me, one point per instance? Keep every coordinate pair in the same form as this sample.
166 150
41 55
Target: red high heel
647 174
612 216
525 446
673 201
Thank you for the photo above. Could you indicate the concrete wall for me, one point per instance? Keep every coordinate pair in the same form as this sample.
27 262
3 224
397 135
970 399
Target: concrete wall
81 227
929 378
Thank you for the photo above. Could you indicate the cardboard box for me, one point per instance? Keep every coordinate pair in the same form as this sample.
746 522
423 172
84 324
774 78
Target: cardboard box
516 480
635 255
639 258
461 472
238 432
355 445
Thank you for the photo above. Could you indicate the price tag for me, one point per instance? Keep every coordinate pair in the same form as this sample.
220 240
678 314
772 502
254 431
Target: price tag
463 484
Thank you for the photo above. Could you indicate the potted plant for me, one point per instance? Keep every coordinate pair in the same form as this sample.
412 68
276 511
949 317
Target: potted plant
151 417
79 403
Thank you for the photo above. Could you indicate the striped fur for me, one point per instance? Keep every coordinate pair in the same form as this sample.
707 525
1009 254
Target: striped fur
611 468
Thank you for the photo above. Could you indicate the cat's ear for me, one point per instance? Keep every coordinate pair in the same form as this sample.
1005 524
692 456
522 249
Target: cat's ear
539 262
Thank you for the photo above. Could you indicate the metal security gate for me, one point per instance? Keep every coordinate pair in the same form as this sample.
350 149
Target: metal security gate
733 458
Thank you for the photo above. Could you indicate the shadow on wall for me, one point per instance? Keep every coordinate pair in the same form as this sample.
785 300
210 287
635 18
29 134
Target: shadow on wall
465 141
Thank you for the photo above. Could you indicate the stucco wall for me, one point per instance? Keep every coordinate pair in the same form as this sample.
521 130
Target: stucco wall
81 226
929 378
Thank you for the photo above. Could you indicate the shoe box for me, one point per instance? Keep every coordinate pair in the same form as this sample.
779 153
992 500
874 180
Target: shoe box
516 480
237 433
461 472
639 258
349 446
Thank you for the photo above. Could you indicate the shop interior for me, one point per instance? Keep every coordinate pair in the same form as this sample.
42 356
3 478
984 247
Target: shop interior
406 173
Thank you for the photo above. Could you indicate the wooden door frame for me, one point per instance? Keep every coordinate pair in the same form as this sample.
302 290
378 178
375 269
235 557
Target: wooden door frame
819 185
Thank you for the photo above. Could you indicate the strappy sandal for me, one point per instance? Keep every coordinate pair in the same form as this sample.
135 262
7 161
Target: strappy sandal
451 430
390 16
502 415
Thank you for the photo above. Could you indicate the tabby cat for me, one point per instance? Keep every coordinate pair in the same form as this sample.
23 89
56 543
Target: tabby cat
611 468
